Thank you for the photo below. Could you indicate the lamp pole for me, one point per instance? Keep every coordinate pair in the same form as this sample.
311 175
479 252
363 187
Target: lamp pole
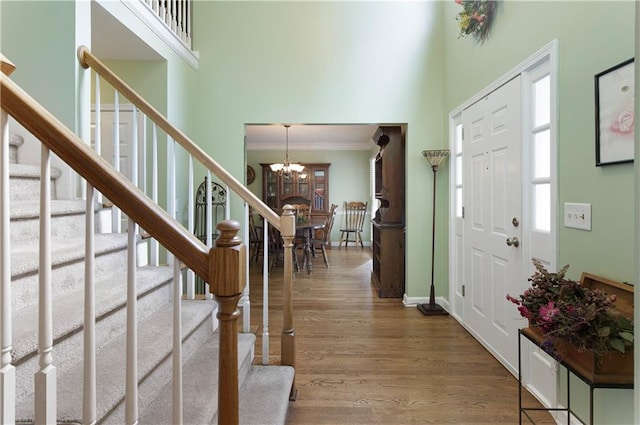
435 158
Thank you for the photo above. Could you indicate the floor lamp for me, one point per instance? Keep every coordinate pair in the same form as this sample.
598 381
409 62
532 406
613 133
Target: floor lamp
435 158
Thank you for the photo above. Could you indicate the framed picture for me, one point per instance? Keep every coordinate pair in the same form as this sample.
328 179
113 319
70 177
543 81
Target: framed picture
615 114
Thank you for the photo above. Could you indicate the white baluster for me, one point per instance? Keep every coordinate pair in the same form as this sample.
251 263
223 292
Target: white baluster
227 204
179 19
183 21
171 181
131 398
135 146
98 126
209 227
265 292
7 370
142 176
244 299
176 411
177 297
89 408
191 277
116 214
155 247
174 16
45 377
188 24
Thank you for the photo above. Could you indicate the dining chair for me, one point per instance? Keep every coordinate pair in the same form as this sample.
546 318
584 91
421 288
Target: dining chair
322 236
301 206
255 240
302 213
276 249
354 213
292 200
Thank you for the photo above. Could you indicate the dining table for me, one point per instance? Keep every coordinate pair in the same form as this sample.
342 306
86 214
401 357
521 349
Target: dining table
305 231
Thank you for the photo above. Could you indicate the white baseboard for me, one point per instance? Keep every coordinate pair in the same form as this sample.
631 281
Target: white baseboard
561 417
414 301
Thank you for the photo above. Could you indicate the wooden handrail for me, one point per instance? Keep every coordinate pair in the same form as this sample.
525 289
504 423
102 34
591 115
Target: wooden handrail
100 174
87 59
6 66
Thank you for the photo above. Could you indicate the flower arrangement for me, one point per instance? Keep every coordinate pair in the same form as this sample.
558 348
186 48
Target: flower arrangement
580 316
475 18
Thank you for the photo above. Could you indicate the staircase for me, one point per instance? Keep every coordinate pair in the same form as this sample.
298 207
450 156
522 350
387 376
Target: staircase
264 390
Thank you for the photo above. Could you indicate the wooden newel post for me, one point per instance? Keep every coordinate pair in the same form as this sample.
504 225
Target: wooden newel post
227 278
288 338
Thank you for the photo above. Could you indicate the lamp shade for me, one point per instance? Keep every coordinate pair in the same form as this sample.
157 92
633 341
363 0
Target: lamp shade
435 157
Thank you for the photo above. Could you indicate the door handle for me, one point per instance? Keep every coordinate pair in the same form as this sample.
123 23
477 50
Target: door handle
514 241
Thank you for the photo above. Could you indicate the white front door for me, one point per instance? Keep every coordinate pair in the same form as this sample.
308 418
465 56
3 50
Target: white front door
492 155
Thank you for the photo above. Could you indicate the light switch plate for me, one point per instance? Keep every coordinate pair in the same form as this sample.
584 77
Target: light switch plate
577 216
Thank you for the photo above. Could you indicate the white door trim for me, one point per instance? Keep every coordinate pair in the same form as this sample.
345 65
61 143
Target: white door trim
548 53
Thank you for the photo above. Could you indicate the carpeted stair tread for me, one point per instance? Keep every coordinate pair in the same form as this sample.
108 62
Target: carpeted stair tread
25 258
30 171
200 384
154 344
21 210
264 396
68 310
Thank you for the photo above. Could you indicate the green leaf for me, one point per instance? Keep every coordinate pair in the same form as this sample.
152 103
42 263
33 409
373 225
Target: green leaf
604 331
625 323
626 335
617 344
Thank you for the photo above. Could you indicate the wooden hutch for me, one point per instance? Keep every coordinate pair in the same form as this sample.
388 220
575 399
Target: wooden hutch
389 221
311 184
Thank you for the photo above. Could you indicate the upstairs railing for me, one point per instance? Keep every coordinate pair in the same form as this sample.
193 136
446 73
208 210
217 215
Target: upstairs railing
227 283
176 14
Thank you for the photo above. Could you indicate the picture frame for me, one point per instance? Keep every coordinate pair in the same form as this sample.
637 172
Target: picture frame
614 114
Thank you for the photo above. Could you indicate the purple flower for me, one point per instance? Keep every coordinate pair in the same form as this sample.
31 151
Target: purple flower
548 312
524 312
513 300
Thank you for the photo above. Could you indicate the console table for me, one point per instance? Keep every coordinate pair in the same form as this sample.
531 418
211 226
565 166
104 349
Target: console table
593 381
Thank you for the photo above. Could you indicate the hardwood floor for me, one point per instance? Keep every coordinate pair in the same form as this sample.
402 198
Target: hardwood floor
361 359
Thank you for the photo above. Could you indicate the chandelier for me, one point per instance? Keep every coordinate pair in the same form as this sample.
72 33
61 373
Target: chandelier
286 167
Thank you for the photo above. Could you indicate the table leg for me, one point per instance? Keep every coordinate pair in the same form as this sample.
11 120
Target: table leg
307 253
519 378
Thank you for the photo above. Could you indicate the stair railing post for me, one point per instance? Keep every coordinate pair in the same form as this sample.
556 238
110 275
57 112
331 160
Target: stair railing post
227 279
7 370
288 338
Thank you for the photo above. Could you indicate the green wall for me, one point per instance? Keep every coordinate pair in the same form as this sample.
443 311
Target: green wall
348 177
326 62
45 60
592 37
